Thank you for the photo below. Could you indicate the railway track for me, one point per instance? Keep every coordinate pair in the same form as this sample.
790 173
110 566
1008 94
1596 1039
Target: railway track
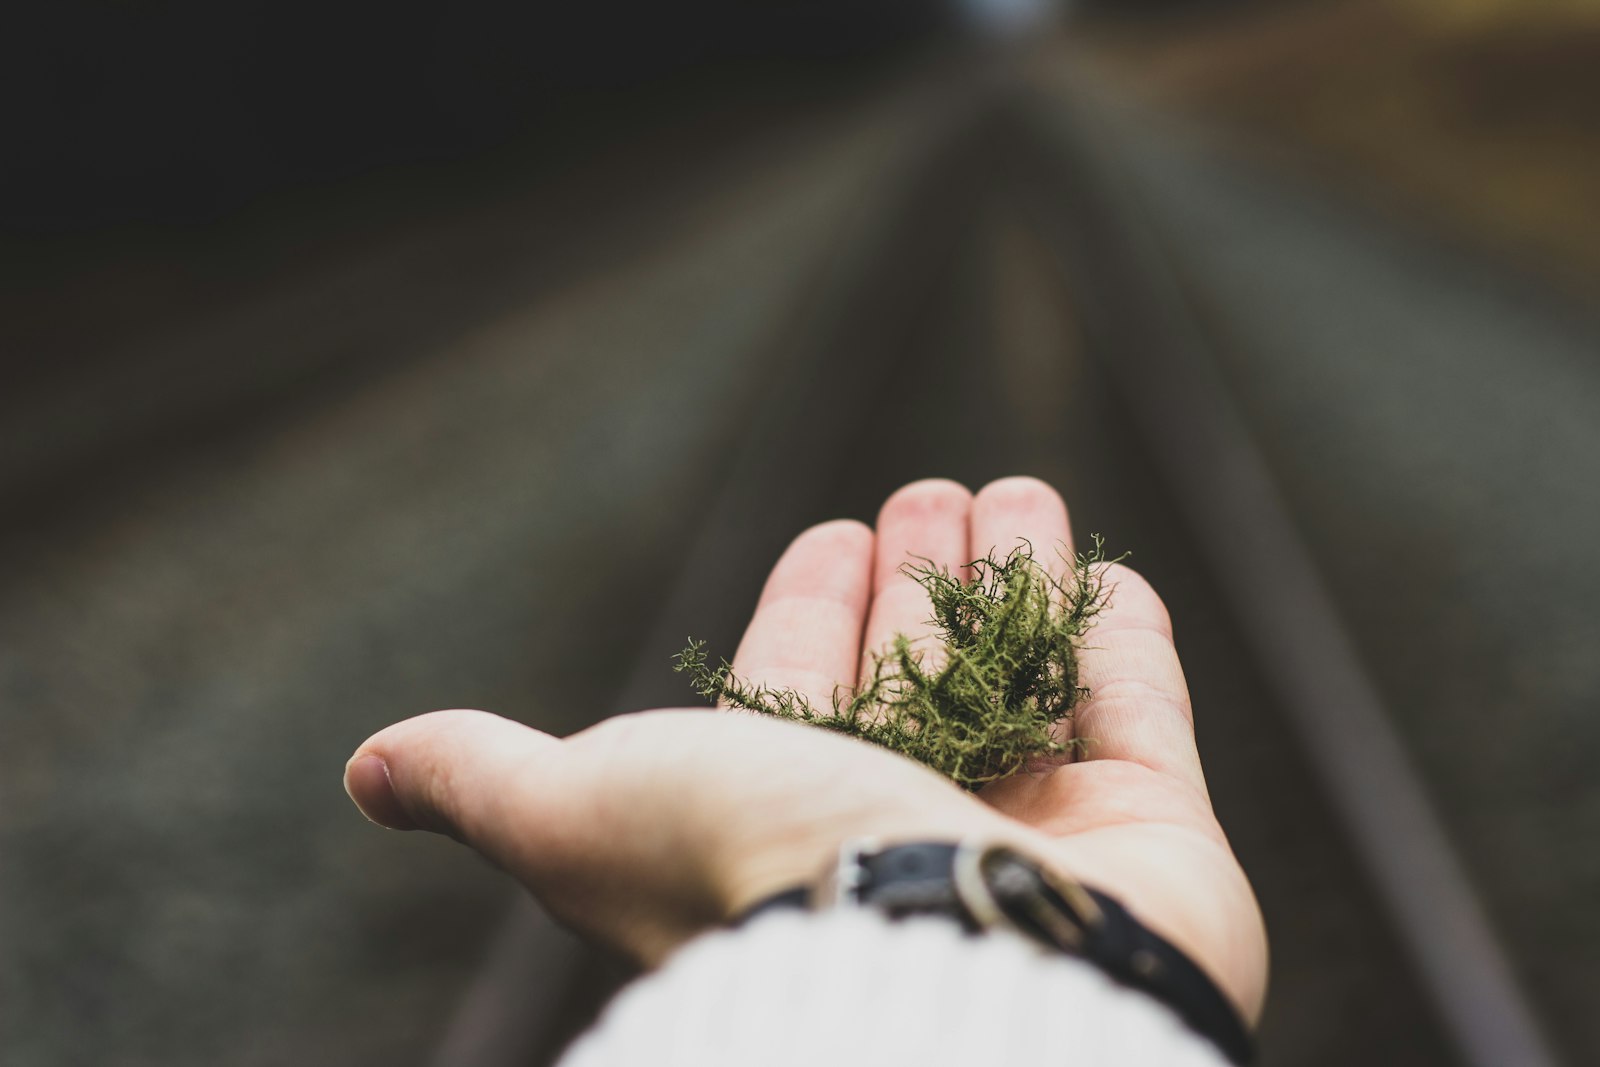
1015 280
944 276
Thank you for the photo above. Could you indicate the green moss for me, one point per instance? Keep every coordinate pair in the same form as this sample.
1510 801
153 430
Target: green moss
1008 674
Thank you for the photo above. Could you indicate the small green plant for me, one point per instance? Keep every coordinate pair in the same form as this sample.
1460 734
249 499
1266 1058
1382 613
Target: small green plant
984 709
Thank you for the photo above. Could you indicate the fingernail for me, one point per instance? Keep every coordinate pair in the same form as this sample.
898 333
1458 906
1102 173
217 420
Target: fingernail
366 779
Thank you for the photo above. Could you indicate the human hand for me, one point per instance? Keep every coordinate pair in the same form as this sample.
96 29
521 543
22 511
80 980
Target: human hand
647 829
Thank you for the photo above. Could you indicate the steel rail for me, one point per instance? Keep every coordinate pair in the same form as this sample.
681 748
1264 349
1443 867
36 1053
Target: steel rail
1147 331
768 492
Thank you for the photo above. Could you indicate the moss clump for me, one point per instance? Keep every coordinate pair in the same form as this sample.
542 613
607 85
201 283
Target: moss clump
1009 671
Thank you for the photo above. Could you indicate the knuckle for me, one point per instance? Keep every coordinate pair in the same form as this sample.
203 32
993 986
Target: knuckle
1135 599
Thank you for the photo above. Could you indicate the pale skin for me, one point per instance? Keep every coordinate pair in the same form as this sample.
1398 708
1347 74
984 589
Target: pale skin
648 829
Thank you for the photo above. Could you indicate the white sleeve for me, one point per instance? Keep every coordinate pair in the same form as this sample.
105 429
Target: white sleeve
846 988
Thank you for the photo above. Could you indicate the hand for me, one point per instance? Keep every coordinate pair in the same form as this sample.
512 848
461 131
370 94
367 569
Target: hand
647 829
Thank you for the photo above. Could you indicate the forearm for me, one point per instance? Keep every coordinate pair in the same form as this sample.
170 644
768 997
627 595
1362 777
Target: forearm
849 987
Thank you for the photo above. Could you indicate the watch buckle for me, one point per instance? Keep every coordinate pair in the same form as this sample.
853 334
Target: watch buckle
1067 930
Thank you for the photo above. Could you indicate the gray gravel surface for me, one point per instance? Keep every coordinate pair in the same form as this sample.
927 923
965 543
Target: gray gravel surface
190 647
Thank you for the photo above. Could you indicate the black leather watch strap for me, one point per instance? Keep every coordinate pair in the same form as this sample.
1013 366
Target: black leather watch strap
986 886
1139 957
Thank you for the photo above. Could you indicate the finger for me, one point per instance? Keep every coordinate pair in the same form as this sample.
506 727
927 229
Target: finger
806 631
1015 512
1024 512
469 774
923 524
1138 705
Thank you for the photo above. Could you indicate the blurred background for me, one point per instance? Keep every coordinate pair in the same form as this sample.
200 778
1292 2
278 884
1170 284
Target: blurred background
362 359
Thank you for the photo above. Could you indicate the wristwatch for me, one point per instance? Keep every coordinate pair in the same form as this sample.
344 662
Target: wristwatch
987 886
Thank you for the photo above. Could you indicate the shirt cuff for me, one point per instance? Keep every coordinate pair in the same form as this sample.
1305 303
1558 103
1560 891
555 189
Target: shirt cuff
847 987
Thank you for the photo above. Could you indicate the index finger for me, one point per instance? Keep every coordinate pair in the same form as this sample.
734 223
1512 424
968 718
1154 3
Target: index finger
806 631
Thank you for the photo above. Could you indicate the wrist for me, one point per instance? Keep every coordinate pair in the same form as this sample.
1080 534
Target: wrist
993 887
811 856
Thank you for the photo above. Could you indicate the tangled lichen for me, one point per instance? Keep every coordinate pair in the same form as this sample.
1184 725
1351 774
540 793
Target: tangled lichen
987 706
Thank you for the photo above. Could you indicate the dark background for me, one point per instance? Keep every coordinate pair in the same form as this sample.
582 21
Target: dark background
365 359
163 113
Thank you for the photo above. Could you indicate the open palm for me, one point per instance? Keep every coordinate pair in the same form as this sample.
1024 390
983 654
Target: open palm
1131 815
646 829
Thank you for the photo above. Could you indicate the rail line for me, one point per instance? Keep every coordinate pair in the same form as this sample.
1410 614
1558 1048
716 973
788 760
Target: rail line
1156 346
1146 335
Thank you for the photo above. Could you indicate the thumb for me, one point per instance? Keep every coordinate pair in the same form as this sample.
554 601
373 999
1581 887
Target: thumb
468 774
519 798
